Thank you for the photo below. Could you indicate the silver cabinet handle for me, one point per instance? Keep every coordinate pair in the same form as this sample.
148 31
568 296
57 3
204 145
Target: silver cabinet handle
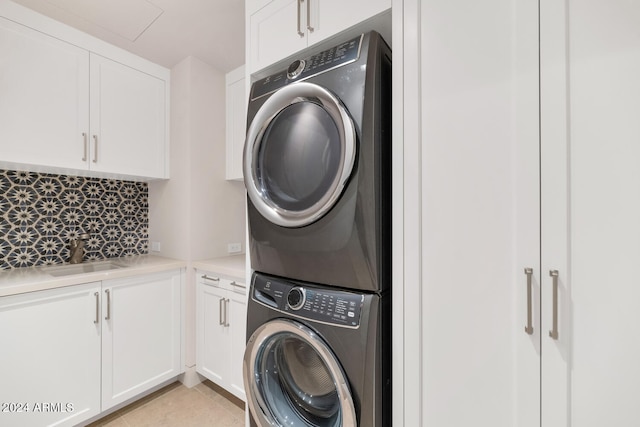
214 279
226 312
300 33
221 319
84 143
238 285
529 327
309 27
95 148
108 316
554 332
97 319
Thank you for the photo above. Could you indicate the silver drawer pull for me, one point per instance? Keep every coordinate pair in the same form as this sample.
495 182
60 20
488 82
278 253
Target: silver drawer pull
221 318
553 333
213 279
238 285
529 328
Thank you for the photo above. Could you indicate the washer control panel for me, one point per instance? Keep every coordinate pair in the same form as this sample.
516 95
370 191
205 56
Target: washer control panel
301 69
335 307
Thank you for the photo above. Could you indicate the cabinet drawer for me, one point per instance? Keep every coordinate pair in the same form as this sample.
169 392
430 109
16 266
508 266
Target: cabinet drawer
213 279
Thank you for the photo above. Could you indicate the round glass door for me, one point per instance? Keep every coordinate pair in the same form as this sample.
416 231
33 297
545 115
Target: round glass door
293 379
299 154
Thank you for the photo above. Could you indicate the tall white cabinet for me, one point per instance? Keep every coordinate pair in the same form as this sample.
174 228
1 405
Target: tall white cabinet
590 205
518 166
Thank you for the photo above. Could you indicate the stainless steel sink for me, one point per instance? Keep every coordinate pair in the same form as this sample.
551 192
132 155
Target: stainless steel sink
87 267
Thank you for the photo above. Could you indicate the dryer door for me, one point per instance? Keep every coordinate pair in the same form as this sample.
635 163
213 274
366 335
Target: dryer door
293 378
299 154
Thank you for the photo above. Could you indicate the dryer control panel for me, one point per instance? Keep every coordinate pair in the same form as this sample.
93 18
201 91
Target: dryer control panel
301 69
330 306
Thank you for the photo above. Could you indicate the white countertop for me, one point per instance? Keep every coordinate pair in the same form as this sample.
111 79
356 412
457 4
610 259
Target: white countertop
233 266
21 280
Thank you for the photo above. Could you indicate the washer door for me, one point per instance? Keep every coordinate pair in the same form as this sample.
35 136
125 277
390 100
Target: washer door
292 378
299 154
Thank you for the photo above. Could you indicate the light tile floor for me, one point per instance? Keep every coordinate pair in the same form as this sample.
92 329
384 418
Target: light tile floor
178 406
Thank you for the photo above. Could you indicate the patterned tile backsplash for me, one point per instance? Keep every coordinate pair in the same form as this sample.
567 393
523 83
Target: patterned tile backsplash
40 214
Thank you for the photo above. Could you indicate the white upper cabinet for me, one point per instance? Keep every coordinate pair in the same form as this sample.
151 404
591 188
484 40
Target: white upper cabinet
275 33
328 17
236 123
283 27
127 120
44 101
73 104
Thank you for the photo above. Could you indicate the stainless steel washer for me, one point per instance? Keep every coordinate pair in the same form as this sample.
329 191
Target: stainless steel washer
316 356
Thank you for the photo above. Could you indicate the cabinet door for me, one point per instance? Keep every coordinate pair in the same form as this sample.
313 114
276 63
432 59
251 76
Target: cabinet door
44 101
527 278
590 63
329 17
236 111
464 194
214 345
141 334
128 122
277 31
50 358
238 324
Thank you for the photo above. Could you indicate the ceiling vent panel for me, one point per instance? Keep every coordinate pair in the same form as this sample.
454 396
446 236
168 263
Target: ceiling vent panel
126 18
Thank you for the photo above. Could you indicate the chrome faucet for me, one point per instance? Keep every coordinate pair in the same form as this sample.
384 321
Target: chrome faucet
77 249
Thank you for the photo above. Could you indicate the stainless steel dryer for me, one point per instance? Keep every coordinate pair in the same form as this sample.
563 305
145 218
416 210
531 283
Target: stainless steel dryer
317 167
316 356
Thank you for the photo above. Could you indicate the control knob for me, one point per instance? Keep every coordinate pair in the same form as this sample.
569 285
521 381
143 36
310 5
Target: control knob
295 68
296 298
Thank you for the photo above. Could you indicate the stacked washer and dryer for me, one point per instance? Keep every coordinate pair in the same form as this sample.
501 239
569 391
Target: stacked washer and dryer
317 167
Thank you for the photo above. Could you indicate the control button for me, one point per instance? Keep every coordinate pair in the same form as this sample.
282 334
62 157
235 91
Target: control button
295 68
296 298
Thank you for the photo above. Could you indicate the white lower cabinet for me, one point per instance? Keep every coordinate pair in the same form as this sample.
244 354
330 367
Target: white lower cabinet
221 309
50 357
70 353
140 335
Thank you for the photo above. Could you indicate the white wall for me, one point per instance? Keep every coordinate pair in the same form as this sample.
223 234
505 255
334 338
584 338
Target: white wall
196 213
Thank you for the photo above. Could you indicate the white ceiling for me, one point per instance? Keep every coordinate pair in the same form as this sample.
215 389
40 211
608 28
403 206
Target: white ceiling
162 31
